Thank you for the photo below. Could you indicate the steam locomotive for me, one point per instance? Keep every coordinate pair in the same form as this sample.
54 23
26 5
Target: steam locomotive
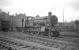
38 28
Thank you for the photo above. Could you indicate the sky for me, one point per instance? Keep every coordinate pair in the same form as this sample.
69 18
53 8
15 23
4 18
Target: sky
42 7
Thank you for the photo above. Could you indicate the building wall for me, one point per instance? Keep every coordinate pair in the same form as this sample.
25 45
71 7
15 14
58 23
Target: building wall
66 26
5 17
17 20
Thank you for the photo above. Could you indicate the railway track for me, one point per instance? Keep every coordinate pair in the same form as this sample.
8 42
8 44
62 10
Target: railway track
58 43
73 36
70 38
9 44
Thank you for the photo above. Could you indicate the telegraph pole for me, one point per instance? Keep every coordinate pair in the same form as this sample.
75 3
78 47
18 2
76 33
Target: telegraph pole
63 14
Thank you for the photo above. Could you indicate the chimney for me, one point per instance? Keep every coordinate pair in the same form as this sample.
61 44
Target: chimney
49 13
8 13
16 14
